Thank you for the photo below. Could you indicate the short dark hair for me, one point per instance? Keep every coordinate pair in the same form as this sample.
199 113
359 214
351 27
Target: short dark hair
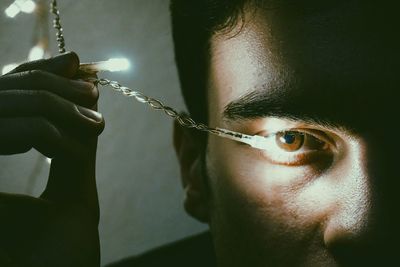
193 24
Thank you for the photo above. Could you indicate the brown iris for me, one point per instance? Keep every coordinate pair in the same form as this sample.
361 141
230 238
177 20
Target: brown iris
290 141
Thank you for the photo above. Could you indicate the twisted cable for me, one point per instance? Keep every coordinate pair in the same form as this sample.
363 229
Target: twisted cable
57 26
155 104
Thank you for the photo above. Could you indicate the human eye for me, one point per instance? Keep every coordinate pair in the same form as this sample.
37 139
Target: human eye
296 147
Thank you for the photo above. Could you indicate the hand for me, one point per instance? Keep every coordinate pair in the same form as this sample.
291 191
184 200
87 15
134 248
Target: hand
42 107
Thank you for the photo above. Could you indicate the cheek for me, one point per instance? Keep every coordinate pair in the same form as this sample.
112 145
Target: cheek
263 201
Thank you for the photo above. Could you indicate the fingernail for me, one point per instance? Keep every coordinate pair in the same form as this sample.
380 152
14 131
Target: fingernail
91 114
69 56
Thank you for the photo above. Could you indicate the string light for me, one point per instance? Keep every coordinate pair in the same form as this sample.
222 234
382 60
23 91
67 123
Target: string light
18 6
7 68
28 6
40 47
113 64
12 10
116 64
36 52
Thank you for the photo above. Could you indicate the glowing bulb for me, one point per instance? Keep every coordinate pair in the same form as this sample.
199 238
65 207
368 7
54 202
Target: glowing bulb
8 68
12 10
116 64
36 53
113 64
28 6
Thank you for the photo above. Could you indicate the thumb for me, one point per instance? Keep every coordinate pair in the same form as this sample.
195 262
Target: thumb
65 65
72 181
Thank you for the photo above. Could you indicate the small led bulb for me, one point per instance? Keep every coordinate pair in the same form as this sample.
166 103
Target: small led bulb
113 64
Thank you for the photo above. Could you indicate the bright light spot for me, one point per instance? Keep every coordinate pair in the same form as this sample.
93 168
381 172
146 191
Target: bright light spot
28 6
48 160
36 53
12 10
8 68
115 64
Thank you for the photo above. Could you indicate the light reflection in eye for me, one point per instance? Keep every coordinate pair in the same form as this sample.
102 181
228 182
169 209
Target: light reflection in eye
297 147
289 141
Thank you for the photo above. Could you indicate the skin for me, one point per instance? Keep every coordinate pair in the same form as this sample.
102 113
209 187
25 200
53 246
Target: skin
330 72
44 106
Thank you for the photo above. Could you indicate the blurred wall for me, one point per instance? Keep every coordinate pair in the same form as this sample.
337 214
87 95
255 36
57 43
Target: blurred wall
138 176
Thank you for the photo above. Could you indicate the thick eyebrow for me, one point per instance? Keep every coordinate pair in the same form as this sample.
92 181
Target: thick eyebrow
275 103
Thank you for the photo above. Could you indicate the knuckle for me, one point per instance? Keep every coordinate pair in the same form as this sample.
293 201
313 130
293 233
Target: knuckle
36 75
28 65
52 132
45 100
44 96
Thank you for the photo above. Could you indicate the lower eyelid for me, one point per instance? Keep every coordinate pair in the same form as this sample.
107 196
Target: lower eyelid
300 159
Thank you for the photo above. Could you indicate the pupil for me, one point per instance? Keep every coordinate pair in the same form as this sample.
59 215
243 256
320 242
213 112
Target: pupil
290 141
289 138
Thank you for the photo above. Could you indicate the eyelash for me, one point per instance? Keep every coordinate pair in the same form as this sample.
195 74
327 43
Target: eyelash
279 156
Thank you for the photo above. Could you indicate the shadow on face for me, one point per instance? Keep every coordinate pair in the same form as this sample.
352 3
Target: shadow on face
322 76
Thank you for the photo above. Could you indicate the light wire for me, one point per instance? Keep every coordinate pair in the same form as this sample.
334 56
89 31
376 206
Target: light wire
183 119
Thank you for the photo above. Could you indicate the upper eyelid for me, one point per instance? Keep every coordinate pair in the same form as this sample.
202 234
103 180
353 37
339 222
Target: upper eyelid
301 131
308 130
325 138
259 140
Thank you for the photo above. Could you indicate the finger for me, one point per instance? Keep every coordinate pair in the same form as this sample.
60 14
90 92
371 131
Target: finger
25 219
20 209
74 119
65 65
19 135
80 92
72 178
72 174
72 181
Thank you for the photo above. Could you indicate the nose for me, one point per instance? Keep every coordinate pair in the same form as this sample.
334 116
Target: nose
363 230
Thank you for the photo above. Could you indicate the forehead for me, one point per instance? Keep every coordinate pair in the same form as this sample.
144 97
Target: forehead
317 59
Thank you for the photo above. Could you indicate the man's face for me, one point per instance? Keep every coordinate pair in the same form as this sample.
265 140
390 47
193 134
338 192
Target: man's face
320 85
